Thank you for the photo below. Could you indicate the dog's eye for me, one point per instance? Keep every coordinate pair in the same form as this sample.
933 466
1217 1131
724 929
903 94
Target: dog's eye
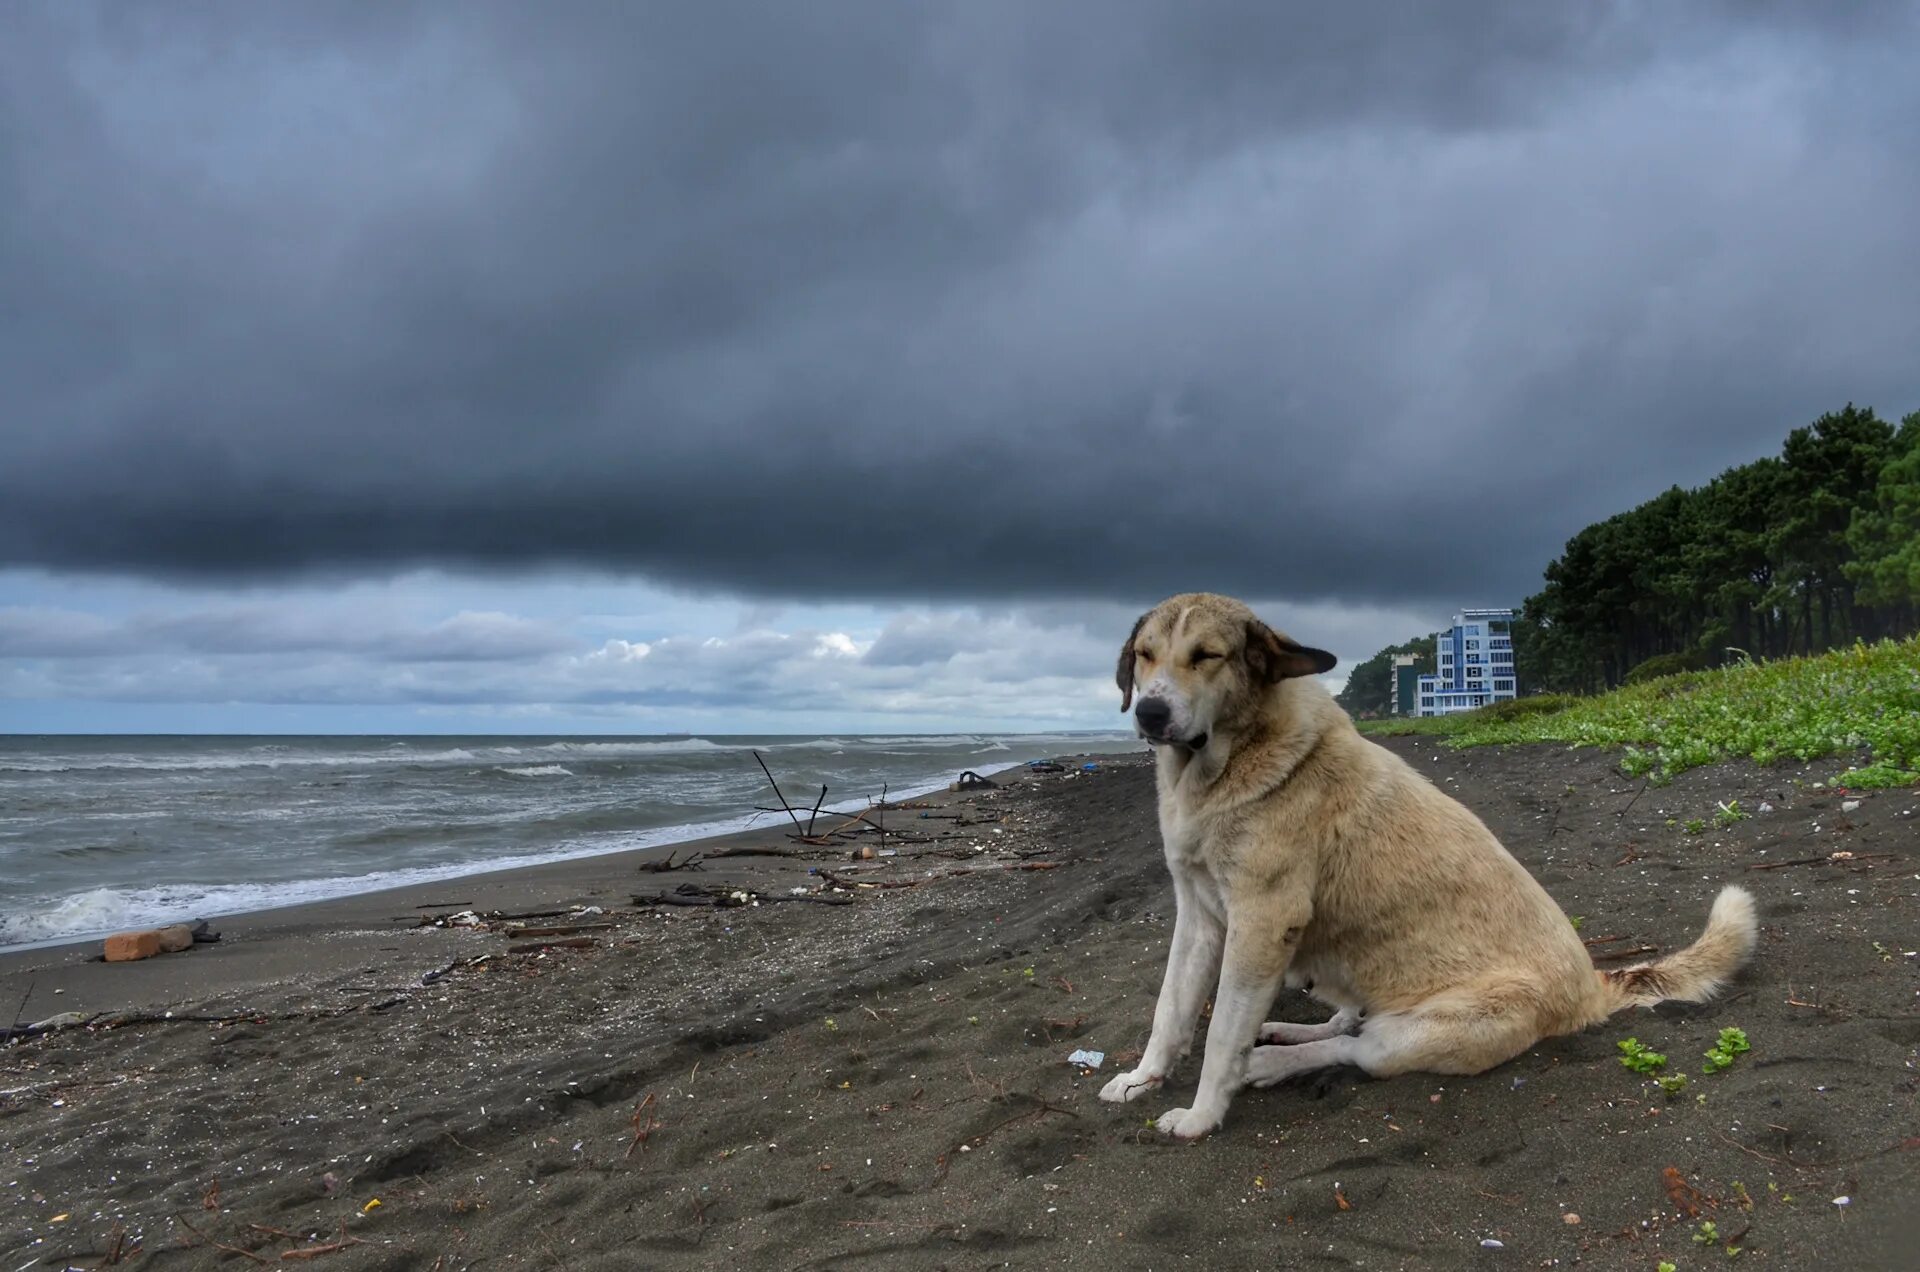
1144 655
1203 655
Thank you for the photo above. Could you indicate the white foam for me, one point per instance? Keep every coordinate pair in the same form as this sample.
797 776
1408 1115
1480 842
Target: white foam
540 770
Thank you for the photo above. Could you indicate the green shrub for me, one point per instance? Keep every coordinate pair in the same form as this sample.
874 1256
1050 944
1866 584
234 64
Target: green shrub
1666 665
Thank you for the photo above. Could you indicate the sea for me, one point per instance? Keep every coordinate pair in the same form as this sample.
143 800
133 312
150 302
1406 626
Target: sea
102 833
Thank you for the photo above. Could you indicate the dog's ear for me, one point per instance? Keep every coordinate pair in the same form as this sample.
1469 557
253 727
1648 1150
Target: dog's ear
1273 658
1123 671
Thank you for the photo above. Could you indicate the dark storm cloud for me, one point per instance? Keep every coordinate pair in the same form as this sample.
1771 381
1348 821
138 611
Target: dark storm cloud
983 300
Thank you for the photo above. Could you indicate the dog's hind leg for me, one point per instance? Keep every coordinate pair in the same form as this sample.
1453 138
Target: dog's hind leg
1454 1033
1344 1021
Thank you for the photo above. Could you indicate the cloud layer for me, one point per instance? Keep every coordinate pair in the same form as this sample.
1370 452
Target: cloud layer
392 657
980 301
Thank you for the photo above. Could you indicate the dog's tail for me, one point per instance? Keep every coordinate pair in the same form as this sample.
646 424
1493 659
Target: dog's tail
1695 974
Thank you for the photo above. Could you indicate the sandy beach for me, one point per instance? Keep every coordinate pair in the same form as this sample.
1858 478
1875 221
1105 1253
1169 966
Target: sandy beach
884 1082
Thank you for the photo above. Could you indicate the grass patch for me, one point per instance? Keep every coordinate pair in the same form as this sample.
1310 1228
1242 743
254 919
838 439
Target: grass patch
1865 697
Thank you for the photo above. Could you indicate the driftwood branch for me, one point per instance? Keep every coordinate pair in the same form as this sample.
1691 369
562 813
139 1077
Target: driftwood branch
776 791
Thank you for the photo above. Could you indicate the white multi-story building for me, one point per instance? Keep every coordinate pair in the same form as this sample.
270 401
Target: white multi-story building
1475 662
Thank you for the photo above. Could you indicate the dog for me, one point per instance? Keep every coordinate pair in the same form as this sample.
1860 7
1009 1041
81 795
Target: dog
1302 854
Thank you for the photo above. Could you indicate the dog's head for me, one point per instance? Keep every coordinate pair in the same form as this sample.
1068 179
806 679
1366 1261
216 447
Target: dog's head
1200 662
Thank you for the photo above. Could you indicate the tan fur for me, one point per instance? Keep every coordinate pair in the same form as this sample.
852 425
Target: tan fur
1301 851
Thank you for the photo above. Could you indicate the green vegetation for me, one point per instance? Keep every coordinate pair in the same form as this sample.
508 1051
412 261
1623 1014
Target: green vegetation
1369 685
1877 775
1730 812
1732 1042
1639 1058
1864 696
1790 555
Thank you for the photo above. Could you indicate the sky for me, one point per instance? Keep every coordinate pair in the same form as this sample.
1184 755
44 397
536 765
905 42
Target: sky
773 367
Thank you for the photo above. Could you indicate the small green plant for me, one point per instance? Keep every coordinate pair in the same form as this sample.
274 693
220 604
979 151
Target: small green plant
1664 1266
1886 955
831 1024
1706 1234
1730 813
1694 825
1673 1083
1578 919
1731 1043
1741 1196
1639 1058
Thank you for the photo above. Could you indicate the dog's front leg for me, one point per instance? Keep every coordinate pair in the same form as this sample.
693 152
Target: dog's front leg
1259 945
1191 965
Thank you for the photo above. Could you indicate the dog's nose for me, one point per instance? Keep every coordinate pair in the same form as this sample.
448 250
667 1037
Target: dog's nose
1154 715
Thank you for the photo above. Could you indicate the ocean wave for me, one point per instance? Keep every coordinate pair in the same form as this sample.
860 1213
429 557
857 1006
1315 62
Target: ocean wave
669 746
221 763
50 920
538 770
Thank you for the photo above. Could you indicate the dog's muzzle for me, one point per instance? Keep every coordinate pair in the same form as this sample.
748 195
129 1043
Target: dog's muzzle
1154 717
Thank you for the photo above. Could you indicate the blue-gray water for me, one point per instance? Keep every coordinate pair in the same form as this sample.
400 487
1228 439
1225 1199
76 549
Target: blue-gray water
98 833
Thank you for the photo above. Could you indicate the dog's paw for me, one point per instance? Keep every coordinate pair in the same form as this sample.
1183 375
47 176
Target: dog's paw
1131 1086
1187 1124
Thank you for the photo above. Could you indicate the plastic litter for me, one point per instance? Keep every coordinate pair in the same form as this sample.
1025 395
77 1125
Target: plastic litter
1087 1059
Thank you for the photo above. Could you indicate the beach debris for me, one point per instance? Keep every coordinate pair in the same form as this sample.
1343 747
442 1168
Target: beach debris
693 894
644 1125
1687 1199
1842 858
428 978
1089 767
64 1020
126 947
339 1243
564 929
691 862
1488 1243
1045 766
1087 1059
563 943
972 781
1849 805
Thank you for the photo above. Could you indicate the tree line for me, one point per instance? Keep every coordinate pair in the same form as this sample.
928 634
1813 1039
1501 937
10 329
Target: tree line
1786 555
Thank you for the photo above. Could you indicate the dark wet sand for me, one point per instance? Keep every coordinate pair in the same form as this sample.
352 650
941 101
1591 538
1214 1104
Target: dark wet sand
884 1084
